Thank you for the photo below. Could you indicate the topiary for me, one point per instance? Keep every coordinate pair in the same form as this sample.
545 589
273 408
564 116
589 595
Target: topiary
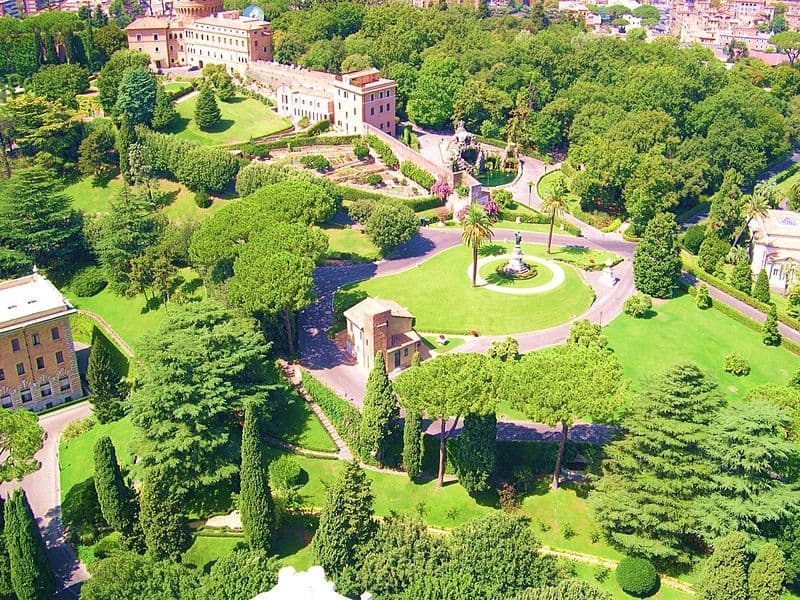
736 364
201 199
285 473
89 282
693 237
638 305
636 576
703 299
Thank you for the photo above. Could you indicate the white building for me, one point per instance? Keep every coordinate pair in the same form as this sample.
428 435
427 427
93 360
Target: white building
775 246
296 102
228 39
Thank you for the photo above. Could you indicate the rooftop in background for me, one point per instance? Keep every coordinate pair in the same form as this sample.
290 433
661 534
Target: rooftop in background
29 299
151 23
234 20
365 79
372 306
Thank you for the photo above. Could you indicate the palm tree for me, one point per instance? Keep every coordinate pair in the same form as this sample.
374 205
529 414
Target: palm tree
556 204
756 205
477 231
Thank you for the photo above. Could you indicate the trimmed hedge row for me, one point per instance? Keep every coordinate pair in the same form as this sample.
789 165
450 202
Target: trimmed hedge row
417 175
344 417
262 149
384 152
538 218
784 175
415 204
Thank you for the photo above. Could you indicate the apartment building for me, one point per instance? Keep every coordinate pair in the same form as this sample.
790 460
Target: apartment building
161 38
38 367
364 97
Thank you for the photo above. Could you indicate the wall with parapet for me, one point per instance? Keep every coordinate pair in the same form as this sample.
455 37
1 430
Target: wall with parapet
404 153
274 75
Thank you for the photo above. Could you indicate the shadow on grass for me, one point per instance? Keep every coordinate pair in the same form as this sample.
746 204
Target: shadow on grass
294 534
491 250
235 100
80 509
178 125
220 126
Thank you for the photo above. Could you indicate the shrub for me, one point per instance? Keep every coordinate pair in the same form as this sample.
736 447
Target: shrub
285 473
390 225
638 305
636 576
77 428
315 161
201 199
442 214
108 545
761 287
360 210
419 176
373 179
384 152
736 364
703 300
508 497
89 282
360 150
693 237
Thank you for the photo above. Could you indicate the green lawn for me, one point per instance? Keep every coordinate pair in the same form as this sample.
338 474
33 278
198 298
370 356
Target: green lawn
432 342
545 185
131 317
539 275
297 424
88 198
350 244
610 585
241 119
440 295
176 86
680 331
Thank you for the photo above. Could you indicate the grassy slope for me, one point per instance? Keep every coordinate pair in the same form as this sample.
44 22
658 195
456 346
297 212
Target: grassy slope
345 242
442 281
297 424
241 119
680 331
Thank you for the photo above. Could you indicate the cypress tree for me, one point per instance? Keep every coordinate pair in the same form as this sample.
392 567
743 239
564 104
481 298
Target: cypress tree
31 575
255 499
345 523
769 330
164 112
165 527
6 590
206 111
657 261
725 574
103 380
380 412
742 277
117 501
761 287
412 444
475 452
767 572
703 300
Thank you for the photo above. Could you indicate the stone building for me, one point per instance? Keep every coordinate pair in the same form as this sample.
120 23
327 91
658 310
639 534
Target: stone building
163 39
229 39
376 325
38 367
364 97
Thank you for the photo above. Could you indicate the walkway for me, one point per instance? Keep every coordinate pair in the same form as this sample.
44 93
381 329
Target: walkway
43 488
109 331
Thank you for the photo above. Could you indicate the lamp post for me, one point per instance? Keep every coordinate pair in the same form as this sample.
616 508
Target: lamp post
530 187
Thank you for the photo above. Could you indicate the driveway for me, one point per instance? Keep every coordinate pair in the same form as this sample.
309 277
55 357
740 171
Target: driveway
43 488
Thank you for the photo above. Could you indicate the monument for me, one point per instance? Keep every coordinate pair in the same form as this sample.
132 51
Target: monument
515 265
608 274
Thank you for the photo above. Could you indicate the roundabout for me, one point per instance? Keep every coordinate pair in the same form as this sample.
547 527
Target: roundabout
549 276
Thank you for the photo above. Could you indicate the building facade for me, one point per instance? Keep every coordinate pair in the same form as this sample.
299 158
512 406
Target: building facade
229 39
38 367
364 97
297 102
775 247
376 325
161 38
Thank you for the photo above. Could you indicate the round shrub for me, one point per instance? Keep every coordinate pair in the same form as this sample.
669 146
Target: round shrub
736 364
201 199
373 179
285 473
636 576
89 282
360 150
638 305
693 237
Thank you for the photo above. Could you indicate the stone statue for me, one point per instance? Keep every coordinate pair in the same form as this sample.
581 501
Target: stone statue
517 238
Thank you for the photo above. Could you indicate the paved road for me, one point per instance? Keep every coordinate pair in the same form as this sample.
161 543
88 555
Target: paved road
44 494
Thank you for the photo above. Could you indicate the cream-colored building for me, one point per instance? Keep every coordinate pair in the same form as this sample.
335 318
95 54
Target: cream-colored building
190 10
364 97
376 325
161 38
228 39
38 367
296 102
775 246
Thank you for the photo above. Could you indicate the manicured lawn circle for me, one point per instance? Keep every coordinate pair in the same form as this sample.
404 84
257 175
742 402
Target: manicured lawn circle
498 283
442 298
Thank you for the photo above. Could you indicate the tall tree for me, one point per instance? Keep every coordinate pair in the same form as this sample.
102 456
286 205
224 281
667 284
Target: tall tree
255 497
118 502
123 141
346 521
770 334
164 113
726 206
742 277
21 437
134 577
449 386
206 111
104 381
163 519
476 231
6 589
110 77
657 260
562 384
197 369
241 575
437 84
31 574
380 412
136 96
724 576
412 435
755 205
766 574
752 461
555 205
36 218
761 287
60 82
788 43
474 454
645 500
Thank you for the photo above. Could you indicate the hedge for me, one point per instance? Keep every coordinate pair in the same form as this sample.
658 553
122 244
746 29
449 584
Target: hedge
262 149
344 417
318 127
416 204
421 204
420 176
535 217
384 152
784 175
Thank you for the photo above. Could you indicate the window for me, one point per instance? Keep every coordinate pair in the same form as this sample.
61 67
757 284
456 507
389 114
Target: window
20 369
405 351
5 401
15 345
26 395
35 339
380 108
372 110
64 383
54 333
59 357
138 37
2 375
371 97
380 94
40 362
155 37
45 390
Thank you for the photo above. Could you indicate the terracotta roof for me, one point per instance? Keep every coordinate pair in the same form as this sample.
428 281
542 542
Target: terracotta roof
150 23
244 23
368 307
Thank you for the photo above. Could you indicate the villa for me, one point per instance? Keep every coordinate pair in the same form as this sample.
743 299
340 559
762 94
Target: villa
775 246
376 325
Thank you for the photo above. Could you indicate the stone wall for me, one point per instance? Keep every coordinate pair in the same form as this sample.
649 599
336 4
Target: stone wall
404 153
275 75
